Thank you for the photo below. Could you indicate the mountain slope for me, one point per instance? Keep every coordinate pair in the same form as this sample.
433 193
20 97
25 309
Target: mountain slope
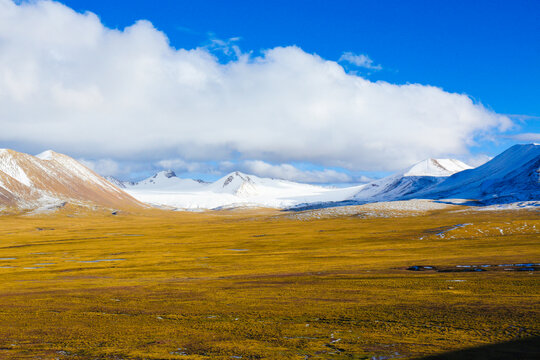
511 176
118 183
418 177
50 178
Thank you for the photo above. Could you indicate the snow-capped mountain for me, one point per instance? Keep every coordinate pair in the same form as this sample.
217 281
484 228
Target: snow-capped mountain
514 175
50 179
239 184
160 180
418 177
234 189
166 179
239 189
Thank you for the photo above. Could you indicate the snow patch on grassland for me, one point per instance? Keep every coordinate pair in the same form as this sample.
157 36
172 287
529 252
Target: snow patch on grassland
372 210
46 204
408 205
512 206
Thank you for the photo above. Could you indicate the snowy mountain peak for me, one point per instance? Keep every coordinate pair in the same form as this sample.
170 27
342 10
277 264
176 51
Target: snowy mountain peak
236 183
165 173
235 177
436 167
162 177
165 180
46 155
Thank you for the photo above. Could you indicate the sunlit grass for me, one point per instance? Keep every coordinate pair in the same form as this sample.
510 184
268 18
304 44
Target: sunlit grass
258 284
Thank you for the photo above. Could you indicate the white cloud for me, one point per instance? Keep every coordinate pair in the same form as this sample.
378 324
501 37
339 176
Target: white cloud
186 166
360 60
69 83
104 167
526 137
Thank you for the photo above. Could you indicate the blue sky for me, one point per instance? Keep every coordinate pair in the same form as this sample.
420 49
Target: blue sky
488 50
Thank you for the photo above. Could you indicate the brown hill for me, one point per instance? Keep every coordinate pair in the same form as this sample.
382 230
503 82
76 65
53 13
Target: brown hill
50 179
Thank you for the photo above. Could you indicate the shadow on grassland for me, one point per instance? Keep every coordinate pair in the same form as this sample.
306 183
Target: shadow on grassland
522 349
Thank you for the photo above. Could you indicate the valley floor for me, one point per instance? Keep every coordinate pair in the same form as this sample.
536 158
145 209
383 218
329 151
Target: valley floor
263 284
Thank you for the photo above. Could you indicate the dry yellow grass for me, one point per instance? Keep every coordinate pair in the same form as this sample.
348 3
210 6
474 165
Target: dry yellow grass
259 285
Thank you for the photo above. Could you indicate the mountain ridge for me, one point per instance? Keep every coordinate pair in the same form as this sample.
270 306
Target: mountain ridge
51 178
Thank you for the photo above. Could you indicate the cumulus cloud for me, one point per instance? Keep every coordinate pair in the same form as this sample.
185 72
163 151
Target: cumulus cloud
68 82
359 60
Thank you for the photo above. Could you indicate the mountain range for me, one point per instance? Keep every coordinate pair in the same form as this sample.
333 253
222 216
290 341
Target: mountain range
50 179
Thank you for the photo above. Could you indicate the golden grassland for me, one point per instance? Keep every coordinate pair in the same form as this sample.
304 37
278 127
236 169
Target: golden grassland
260 285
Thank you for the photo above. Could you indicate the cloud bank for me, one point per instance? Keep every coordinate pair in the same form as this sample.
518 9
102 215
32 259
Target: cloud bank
69 83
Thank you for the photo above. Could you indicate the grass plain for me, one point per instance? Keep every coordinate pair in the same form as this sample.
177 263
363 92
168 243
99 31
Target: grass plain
259 284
